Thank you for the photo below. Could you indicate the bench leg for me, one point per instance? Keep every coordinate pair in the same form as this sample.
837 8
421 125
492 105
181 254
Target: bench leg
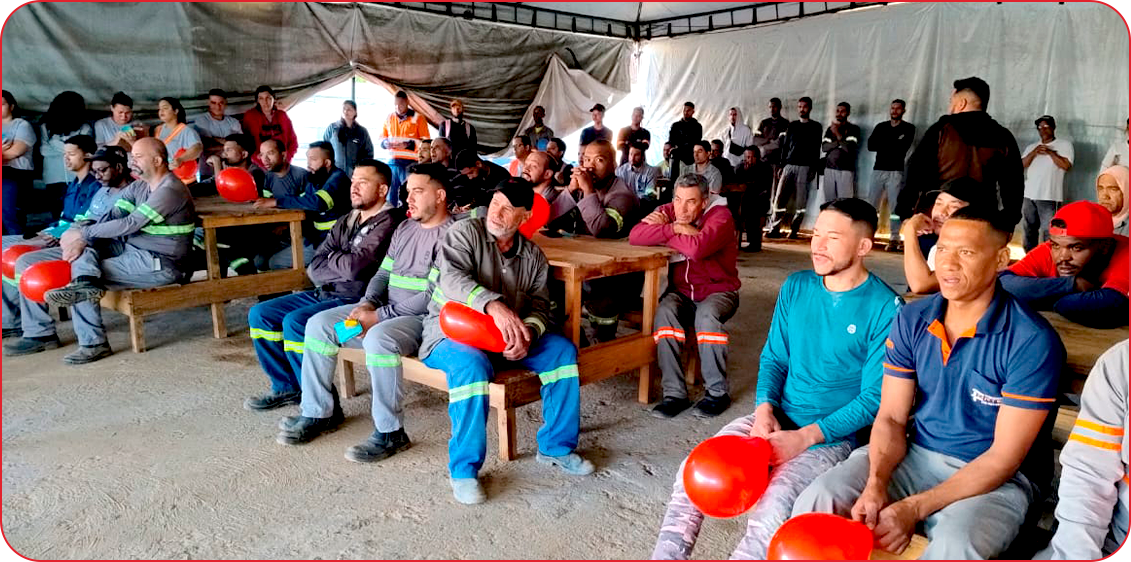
644 386
219 323
508 445
346 388
137 333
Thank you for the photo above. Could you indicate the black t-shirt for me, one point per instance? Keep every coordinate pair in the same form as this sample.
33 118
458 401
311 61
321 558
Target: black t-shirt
631 136
802 145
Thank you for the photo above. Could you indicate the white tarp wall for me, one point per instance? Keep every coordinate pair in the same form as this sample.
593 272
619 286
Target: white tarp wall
1069 61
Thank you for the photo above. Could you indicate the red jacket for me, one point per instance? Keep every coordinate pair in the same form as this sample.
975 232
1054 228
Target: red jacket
711 264
255 124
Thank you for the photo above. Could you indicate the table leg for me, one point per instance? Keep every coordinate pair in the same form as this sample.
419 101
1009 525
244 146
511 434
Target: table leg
296 245
573 307
212 253
651 301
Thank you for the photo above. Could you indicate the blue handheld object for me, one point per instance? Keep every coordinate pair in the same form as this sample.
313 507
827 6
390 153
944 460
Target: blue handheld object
347 330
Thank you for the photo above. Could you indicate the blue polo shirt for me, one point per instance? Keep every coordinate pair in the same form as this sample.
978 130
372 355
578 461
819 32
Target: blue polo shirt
1011 357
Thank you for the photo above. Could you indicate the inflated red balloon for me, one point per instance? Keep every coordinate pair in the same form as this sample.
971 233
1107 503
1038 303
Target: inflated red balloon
471 327
236 185
821 536
44 276
12 254
724 476
187 170
539 215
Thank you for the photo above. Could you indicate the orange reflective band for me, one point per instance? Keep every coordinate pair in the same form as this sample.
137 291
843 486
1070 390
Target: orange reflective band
1100 428
1026 398
1095 442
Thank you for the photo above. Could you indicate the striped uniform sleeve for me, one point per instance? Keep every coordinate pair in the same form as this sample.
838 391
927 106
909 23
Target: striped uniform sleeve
458 268
899 351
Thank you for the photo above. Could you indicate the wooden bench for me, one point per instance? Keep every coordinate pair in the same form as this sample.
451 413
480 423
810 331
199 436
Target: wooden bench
509 389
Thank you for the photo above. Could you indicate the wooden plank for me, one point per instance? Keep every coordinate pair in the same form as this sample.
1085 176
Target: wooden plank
599 362
212 255
508 434
572 306
1065 421
297 262
200 293
912 552
222 221
1083 345
651 301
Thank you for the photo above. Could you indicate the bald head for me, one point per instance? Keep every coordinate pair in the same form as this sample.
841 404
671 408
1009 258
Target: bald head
599 158
150 158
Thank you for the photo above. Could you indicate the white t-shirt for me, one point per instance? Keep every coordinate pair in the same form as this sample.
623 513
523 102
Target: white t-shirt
1044 180
20 130
1116 154
931 258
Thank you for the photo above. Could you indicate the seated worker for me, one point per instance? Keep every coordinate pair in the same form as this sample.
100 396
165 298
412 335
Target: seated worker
638 175
757 178
522 147
143 242
818 382
975 372
238 246
477 178
340 269
325 196
23 316
539 171
392 315
281 180
1111 192
919 259
608 209
1091 511
1080 272
704 287
487 265
236 152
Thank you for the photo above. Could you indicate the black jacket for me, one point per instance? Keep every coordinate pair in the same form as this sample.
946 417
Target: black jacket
351 254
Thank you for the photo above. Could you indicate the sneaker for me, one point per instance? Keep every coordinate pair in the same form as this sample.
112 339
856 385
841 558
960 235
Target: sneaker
468 491
13 332
305 429
273 400
711 406
27 346
88 354
571 463
79 290
379 446
669 408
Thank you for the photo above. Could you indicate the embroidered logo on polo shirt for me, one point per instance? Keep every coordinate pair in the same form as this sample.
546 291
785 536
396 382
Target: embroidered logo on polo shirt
983 398
852 328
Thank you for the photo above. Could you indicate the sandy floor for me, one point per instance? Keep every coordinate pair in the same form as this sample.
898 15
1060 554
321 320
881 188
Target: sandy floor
153 456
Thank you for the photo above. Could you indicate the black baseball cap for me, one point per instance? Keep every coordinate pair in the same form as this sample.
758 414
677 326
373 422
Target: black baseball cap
1047 118
598 107
519 191
111 154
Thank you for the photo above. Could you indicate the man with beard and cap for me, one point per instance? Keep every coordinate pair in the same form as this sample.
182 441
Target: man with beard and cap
487 265
800 155
539 133
325 196
1045 164
391 314
923 229
342 267
841 143
1081 272
598 131
539 171
633 134
890 141
736 138
683 136
1111 193
967 142
459 131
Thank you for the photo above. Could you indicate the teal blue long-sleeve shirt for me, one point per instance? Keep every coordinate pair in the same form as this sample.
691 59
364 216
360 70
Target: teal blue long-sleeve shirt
823 358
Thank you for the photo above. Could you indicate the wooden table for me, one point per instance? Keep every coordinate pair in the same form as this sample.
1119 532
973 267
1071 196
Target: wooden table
574 260
214 213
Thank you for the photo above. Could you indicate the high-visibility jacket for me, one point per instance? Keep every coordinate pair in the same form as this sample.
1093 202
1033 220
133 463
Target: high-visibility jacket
409 129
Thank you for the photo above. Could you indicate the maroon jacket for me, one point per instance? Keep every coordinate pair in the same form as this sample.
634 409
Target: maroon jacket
711 264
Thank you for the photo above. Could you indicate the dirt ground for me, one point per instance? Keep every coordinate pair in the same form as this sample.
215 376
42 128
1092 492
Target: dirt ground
153 456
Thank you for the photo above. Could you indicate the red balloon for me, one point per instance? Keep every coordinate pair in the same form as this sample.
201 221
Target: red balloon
44 276
539 215
724 476
236 185
821 536
187 170
471 327
12 254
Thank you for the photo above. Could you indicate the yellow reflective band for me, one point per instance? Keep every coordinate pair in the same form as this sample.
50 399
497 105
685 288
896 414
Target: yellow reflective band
559 374
150 214
387 264
467 391
325 197
258 334
438 296
434 275
319 347
408 283
238 262
125 205
613 214
474 213
267 193
13 282
380 360
177 230
292 346
326 225
474 293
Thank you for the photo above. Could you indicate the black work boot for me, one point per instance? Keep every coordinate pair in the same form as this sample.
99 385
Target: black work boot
82 289
305 429
669 408
379 446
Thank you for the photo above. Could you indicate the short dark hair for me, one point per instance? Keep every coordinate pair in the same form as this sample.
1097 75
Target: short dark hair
246 142
120 98
976 86
84 142
988 216
524 139
217 92
182 116
668 143
638 146
860 211
264 88
900 102
717 142
847 106
324 147
775 101
706 145
382 168
435 171
754 149
688 104
806 99
561 144
401 94
278 145
466 158
8 97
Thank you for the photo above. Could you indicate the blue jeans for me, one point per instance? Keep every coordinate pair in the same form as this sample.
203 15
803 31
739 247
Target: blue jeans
278 330
469 370
400 175
10 204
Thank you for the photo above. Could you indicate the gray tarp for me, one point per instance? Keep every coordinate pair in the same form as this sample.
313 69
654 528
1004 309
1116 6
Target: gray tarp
183 49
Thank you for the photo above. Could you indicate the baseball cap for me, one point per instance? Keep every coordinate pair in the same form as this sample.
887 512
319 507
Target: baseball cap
1082 219
597 107
111 154
519 191
969 190
1049 118
466 159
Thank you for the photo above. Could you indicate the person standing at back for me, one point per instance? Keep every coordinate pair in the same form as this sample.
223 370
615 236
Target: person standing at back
598 131
267 121
539 133
403 129
633 134
19 137
350 140
683 136
214 128
890 141
459 132
841 144
800 153
1045 163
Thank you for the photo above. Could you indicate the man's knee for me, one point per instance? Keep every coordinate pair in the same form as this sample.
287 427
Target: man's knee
381 340
322 325
261 314
295 322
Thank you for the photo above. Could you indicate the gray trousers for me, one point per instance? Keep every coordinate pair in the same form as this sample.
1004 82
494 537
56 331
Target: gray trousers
975 528
384 346
678 314
119 266
890 183
1036 214
839 184
19 312
683 520
793 185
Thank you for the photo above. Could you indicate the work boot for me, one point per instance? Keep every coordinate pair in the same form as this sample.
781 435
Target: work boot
379 446
305 429
468 491
27 346
605 329
88 354
711 406
273 400
82 289
669 408
571 463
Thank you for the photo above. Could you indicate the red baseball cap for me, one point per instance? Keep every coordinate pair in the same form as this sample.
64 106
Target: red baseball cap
1082 219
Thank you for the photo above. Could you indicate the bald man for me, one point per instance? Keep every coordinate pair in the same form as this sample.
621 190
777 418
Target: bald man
539 170
143 242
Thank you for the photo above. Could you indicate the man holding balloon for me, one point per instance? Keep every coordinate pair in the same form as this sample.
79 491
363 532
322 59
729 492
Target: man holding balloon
488 266
818 384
